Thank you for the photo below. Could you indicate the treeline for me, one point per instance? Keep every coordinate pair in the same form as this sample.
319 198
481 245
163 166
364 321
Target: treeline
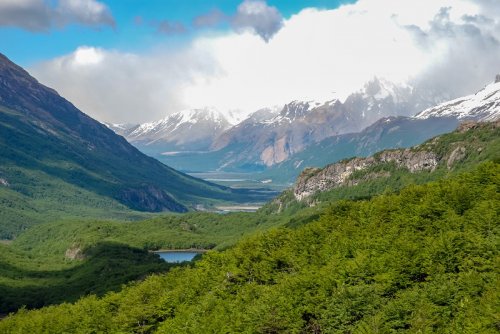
424 260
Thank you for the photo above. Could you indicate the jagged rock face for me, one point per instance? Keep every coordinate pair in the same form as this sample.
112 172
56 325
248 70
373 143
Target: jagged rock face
269 140
150 198
457 155
340 174
423 157
299 124
186 130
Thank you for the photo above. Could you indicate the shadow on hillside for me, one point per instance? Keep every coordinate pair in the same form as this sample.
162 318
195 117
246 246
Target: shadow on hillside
106 268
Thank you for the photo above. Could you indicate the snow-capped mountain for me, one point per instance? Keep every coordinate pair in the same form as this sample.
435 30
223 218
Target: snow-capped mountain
192 129
273 139
482 106
268 137
380 98
120 129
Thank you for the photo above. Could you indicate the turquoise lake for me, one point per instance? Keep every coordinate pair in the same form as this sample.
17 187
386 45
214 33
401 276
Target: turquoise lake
177 257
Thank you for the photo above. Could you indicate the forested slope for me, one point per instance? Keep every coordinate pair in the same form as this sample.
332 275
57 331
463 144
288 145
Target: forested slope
421 260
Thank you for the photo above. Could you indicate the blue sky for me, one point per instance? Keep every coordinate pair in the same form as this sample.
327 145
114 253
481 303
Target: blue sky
28 47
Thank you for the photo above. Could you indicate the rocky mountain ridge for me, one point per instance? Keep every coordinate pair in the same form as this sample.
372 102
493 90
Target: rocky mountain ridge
341 174
271 135
425 157
301 123
193 129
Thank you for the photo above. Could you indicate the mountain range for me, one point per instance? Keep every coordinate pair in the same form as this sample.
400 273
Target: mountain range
279 142
189 130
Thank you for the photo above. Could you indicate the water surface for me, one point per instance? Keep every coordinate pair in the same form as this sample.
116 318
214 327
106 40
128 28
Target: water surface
177 256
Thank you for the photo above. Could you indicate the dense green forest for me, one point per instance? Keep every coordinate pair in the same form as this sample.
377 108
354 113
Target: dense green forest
66 259
479 143
61 261
423 260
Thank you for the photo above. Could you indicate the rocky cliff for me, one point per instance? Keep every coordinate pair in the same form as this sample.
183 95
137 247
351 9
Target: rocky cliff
425 157
343 173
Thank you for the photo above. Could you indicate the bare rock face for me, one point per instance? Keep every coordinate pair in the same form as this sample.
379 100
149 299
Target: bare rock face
497 78
458 154
341 173
354 171
4 182
150 198
414 161
74 253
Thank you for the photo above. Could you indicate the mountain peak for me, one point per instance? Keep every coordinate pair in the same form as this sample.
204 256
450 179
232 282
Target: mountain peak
497 78
191 129
482 106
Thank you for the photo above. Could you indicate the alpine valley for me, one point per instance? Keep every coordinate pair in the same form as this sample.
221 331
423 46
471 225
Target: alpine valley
56 162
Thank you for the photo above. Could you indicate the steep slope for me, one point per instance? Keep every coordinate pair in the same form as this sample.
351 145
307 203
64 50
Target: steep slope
421 260
482 106
51 151
470 143
391 132
183 131
271 141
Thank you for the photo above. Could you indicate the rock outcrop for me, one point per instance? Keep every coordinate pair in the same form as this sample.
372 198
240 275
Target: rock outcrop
4 182
424 157
342 173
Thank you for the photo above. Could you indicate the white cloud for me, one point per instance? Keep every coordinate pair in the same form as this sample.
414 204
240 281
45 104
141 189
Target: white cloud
115 86
257 16
87 12
42 15
315 53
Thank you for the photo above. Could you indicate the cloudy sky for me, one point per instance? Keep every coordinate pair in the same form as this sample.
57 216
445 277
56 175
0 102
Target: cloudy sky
136 61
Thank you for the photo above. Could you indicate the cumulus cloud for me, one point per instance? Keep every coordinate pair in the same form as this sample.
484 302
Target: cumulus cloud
433 45
254 16
42 15
113 86
259 17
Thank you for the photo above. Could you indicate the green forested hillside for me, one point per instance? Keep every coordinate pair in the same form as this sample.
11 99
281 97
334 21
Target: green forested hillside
35 280
475 142
61 261
56 162
46 245
424 260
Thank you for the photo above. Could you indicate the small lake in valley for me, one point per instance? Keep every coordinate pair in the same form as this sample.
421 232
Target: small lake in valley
178 256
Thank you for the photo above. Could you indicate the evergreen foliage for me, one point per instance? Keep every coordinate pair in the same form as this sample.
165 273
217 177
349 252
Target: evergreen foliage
424 260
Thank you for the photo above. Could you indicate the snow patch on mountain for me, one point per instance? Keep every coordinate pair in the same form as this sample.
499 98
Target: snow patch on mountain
482 106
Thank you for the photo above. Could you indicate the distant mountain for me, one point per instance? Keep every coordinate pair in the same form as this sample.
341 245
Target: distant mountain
482 106
189 130
393 132
52 151
120 129
270 137
266 142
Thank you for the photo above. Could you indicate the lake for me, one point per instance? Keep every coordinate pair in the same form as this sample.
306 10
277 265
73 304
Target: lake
177 256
